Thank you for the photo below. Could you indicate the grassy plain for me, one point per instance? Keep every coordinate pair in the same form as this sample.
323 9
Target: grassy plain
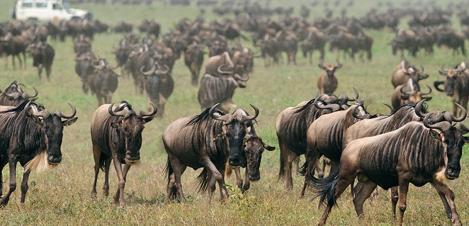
62 196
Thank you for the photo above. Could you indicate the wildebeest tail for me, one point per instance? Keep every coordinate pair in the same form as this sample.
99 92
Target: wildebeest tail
204 178
283 160
325 187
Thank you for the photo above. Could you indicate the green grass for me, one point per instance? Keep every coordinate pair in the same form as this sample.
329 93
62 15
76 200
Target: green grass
62 195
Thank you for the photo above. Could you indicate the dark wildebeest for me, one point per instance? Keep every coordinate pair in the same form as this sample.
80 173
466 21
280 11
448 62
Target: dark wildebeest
84 68
327 82
32 136
14 94
193 59
208 140
15 46
116 134
405 71
456 85
325 137
254 146
103 82
159 85
43 57
219 83
291 126
393 159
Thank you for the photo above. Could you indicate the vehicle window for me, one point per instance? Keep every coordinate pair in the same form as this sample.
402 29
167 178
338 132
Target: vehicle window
41 4
56 6
27 5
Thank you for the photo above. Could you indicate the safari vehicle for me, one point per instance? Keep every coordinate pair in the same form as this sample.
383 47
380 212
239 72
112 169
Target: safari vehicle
46 10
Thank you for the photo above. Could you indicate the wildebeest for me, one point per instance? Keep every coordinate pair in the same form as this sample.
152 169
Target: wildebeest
103 81
325 137
43 57
116 134
409 93
208 140
456 85
159 85
291 126
14 94
254 146
393 159
327 82
405 71
193 59
219 83
32 136
15 46
84 68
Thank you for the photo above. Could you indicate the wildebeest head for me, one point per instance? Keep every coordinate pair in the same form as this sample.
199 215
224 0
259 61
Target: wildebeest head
14 94
330 68
413 72
52 125
451 75
453 141
254 147
129 126
412 95
235 126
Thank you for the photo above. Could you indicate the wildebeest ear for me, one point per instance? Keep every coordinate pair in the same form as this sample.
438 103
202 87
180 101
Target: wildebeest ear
466 139
268 147
70 121
147 119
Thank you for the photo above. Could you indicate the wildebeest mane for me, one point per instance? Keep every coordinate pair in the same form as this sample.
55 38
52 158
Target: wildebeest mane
208 133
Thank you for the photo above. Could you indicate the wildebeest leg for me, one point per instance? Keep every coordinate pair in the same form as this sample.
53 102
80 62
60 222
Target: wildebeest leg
340 187
288 169
96 155
394 199
311 159
24 185
215 174
361 195
247 182
178 170
445 204
403 189
107 164
39 71
239 180
449 195
48 72
121 186
24 59
12 188
120 193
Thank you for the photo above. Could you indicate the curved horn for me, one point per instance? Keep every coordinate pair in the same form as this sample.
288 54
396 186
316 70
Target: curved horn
403 92
437 85
222 72
214 110
420 108
27 96
442 126
162 72
256 114
113 112
74 112
151 113
462 117
239 78
429 91
149 72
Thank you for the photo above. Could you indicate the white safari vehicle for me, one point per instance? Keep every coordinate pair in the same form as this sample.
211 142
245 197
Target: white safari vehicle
46 10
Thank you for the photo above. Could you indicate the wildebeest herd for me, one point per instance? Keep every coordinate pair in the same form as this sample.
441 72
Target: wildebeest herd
343 143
